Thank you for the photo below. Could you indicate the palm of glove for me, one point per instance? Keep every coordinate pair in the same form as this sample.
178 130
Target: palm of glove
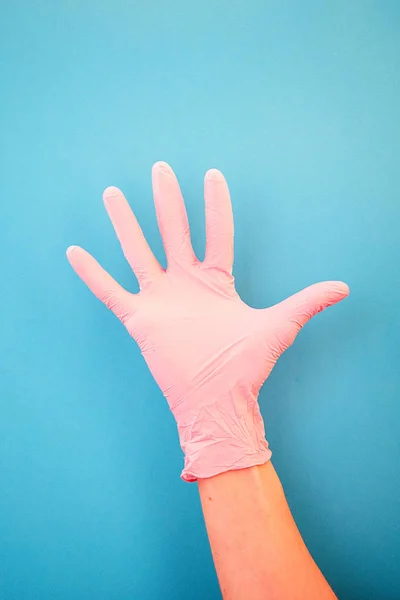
197 336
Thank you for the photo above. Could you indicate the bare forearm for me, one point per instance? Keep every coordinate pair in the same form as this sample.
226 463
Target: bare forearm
257 548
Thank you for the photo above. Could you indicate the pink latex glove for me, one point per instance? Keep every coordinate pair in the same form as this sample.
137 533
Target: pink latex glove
208 351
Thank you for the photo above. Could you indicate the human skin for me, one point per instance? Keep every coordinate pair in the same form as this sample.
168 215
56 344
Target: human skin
258 551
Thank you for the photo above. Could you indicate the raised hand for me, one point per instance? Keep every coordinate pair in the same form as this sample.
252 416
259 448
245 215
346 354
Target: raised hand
208 351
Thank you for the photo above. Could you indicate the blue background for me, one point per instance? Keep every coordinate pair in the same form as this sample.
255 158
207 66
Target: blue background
298 104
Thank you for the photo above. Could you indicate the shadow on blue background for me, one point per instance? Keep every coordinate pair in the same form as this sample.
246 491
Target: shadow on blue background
298 104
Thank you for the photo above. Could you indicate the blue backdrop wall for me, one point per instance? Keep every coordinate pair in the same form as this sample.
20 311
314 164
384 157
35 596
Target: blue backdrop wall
298 104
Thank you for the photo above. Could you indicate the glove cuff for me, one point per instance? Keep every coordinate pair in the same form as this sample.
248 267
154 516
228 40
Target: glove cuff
225 435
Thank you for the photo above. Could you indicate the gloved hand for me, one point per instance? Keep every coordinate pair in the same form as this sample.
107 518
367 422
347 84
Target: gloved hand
208 351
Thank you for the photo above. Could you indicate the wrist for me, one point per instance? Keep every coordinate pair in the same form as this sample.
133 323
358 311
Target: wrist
223 435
